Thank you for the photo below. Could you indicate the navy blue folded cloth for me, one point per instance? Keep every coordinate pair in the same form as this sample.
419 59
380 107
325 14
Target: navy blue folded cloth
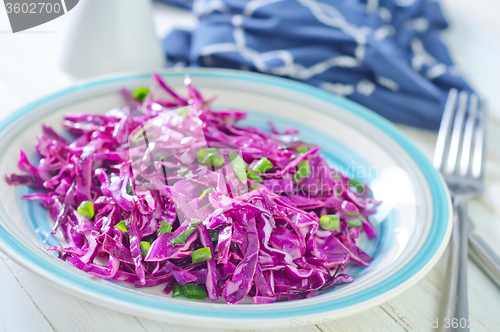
384 54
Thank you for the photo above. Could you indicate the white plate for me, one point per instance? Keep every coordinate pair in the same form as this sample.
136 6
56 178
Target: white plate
414 222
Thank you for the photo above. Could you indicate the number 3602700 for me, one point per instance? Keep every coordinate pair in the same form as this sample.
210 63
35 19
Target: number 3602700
33 8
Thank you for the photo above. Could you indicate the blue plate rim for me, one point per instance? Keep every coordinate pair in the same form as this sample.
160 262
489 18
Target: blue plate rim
434 244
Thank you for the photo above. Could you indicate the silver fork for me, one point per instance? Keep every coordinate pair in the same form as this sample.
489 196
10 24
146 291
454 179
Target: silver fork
460 160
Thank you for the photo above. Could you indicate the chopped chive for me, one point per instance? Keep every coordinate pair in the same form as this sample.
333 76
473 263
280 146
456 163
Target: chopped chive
216 160
233 155
211 156
304 169
140 93
192 291
354 222
201 255
263 165
206 192
177 290
214 234
336 177
296 177
183 170
164 228
355 214
145 245
339 191
356 184
139 136
329 222
196 221
182 111
86 209
253 188
203 154
181 239
324 222
130 192
238 166
251 175
302 149
121 226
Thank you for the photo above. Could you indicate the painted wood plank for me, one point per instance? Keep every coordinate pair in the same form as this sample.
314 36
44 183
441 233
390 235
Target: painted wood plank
17 310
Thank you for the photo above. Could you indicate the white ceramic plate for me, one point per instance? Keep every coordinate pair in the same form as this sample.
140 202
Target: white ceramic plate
413 223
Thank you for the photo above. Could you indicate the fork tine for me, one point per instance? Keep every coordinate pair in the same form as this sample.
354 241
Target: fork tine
468 135
478 157
457 132
445 128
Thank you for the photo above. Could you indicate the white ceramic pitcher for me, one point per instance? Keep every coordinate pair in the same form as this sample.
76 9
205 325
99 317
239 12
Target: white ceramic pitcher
108 36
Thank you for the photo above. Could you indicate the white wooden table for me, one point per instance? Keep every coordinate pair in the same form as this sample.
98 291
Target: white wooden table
29 70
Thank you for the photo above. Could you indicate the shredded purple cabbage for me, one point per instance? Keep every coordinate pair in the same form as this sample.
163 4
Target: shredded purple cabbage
138 166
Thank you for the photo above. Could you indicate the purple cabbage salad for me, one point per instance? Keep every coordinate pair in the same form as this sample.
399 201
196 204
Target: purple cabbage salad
168 192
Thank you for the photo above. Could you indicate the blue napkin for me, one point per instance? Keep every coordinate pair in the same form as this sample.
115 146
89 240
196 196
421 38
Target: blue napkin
384 54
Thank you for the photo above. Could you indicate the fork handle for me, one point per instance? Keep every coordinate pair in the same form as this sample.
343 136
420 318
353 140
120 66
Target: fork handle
484 256
454 304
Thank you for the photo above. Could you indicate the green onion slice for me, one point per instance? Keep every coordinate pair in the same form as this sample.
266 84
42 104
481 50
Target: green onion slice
192 291
181 239
140 93
177 290
121 226
238 166
201 255
304 169
164 228
86 209
329 222
263 165
302 149
145 248
252 175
